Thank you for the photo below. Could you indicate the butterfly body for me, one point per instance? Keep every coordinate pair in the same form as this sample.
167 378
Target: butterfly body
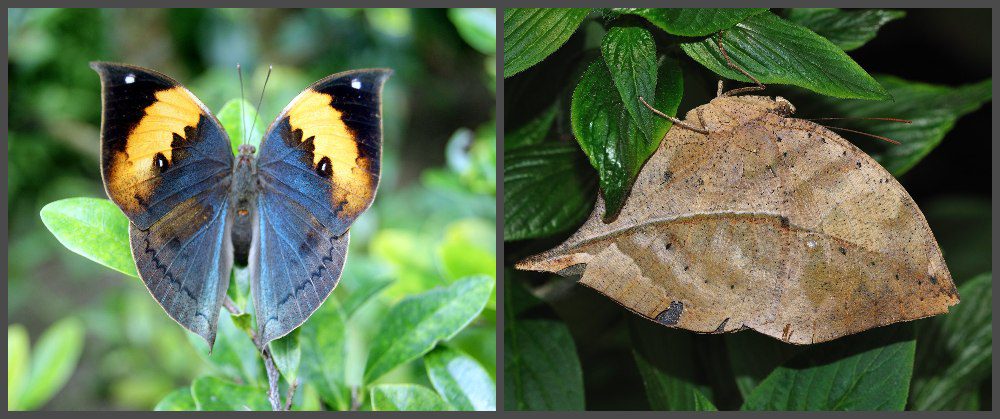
283 211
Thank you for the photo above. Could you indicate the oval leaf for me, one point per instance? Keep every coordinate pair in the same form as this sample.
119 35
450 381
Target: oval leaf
546 189
847 29
460 379
630 55
955 351
94 228
530 35
693 22
610 138
541 367
414 325
777 51
406 397
324 354
213 393
178 400
866 371
53 361
287 353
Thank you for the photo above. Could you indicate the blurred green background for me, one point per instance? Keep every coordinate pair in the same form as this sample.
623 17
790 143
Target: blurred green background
436 200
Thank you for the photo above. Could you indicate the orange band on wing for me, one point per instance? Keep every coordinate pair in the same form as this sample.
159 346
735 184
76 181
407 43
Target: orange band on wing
312 113
174 110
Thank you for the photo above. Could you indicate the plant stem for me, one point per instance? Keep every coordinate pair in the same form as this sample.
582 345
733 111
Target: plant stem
272 370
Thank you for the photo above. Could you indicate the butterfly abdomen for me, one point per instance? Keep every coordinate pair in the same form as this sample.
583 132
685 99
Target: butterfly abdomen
243 196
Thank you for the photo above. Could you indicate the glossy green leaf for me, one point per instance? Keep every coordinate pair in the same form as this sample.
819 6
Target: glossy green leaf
406 397
933 110
229 116
53 361
630 56
547 189
541 367
777 51
468 248
669 376
18 359
955 350
94 228
847 29
213 393
478 27
610 137
532 132
177 400
460 380
866 371
695 21
323 340
413 326
530 35
287 353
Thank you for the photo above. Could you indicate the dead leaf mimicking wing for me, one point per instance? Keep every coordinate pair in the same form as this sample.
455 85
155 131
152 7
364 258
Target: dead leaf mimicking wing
767 222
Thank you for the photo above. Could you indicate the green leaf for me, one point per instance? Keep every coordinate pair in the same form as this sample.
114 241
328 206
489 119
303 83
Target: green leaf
234 354
94 228
18 358
847 29
610 137
287 353
532 132
478 27
955 350
413 326
323 340
669 376
178 400
541 367
53 361
630 55
406 397
777 51
530 35
933 110
213 393
865 371
753 356
460 379
229 116
693 22
468 248
547 189
963 226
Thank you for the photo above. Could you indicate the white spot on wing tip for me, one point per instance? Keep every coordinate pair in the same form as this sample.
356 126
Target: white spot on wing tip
129 79
356 84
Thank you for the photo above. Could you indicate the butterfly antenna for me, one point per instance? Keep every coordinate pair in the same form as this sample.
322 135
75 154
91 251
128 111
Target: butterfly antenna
243 118
886 139
865 118
261 100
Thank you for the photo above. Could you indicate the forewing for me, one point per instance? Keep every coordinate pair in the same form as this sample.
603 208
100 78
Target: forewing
324 150
159 144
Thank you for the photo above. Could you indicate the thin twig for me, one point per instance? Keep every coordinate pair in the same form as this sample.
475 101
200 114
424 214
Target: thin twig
231 306
272 380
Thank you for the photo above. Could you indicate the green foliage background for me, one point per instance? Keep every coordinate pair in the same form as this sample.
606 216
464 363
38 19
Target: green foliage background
427 244
567 347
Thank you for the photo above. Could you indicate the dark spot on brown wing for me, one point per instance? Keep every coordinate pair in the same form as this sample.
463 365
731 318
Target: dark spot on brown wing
842 250
666 176
668 245
859 164
933 280
784 222
672 314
